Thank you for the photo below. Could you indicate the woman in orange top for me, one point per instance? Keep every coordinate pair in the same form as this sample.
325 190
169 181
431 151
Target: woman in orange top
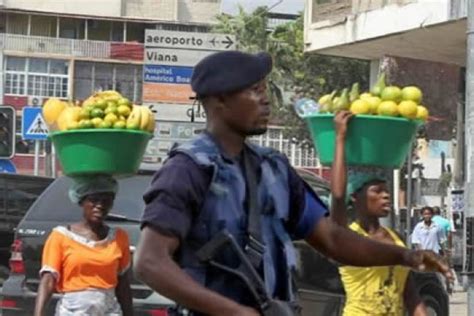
88 261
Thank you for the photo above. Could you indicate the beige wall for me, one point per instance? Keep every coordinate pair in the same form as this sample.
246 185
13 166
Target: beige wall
203 11
153 9
359 6
87 7
338 8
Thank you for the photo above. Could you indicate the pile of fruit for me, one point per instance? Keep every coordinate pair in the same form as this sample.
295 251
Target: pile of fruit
103 110
381 100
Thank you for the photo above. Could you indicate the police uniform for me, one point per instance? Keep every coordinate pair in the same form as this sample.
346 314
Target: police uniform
200 191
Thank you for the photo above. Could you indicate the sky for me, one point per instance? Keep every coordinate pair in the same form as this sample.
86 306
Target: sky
286 6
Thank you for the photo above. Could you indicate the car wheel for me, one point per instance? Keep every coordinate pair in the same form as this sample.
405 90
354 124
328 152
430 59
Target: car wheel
433 307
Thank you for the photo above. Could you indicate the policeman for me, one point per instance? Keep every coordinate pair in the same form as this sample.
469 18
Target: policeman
217 180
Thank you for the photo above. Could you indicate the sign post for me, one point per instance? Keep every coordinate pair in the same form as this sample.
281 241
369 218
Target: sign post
169 60
33 127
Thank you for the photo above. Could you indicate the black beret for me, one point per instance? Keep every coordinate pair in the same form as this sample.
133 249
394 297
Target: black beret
229 71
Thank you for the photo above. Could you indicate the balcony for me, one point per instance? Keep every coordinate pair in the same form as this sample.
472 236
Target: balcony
81 49
430 30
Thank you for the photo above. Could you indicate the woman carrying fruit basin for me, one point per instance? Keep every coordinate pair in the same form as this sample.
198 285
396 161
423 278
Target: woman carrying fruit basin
88 261
387 290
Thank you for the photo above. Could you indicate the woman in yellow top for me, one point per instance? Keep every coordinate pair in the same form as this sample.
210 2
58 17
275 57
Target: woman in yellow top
87 262
370 291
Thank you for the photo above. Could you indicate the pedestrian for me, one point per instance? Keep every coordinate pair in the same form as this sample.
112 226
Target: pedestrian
445 225
213 183
87 262
427 234
384 290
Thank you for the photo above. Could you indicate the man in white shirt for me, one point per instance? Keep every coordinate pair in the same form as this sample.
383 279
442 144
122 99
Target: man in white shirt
427 235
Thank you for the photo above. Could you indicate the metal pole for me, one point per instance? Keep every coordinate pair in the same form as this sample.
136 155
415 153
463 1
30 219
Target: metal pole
36 163
409 193
469 181
396 197
53 160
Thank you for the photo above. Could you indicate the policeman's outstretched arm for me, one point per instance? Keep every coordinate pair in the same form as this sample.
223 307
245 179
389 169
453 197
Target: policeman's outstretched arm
350 248
154 265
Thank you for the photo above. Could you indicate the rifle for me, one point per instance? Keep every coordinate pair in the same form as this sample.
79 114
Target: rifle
246 273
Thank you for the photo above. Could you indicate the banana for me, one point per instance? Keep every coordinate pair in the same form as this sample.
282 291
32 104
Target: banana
152 123
145 118
108 93
134 119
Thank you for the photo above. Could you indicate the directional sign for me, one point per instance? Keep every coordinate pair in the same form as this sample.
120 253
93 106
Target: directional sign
167 74
167 92
169 59
6 166
178 112
33 126
174 57
189 40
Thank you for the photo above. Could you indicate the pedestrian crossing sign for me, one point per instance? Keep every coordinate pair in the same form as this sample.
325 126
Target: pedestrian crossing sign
33 125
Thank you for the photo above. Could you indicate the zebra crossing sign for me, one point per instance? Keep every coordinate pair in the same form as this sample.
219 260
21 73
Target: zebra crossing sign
33 125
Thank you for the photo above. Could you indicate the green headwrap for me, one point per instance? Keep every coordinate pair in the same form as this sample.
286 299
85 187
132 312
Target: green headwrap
86 185
359 176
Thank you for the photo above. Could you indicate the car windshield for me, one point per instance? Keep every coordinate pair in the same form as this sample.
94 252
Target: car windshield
56 206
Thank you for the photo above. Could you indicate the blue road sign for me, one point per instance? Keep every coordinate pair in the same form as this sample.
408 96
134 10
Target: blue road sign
6 166
33 125
167 74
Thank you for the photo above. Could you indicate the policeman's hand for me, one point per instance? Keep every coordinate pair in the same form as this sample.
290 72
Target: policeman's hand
427 261
341 120
245 311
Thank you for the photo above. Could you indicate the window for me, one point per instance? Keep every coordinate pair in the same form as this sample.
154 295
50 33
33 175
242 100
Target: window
299 155
17 24
90 77
15 75
17 194
3 22
71 28
99 30
136 32
43 25
36 77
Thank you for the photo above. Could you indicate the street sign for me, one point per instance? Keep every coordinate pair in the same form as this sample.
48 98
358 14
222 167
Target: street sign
6 166
167 135
167 93
189 40
167 74
169 60
178 112
33 125
174 57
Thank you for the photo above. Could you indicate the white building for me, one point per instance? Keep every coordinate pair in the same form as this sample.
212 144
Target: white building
68 49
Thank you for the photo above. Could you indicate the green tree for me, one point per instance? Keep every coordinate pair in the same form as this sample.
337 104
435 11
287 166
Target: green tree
296 74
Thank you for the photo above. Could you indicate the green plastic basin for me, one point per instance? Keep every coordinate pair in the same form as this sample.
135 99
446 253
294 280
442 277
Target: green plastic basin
104 151
371 140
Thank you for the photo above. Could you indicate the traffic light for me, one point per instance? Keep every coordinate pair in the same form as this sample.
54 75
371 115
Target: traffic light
7 132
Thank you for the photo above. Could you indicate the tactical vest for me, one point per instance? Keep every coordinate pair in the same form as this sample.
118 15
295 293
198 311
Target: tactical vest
223 207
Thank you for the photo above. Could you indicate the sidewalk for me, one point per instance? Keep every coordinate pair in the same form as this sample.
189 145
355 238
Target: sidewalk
458 304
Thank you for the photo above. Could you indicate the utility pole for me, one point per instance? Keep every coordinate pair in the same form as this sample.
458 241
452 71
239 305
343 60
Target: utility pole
469 176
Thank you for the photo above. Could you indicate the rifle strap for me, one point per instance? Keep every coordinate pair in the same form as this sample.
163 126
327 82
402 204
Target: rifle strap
255 247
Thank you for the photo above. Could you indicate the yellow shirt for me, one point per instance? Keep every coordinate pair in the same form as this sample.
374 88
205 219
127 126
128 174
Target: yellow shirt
79 264
374 291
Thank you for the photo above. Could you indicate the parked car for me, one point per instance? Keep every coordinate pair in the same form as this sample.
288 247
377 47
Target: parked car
317 277
17 193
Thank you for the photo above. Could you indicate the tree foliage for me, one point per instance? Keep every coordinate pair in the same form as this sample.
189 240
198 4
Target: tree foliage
296 74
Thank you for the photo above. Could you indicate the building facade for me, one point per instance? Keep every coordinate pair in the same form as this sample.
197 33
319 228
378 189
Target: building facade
69 49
